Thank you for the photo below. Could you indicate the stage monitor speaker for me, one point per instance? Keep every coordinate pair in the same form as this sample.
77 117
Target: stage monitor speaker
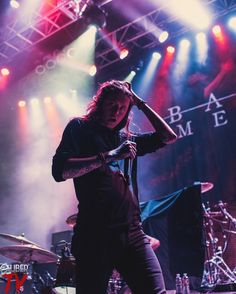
60 239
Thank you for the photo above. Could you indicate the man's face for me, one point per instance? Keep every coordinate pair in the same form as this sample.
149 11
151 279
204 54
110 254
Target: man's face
114 111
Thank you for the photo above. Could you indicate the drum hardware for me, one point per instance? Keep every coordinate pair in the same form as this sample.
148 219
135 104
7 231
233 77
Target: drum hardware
28 253
71 220
3 279
229 231
43 284
115 283
34 290
65 251
216 271
49 279
37 279
65 278
38 283
222 206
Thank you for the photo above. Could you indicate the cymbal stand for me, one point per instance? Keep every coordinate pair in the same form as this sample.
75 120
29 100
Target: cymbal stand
35 278
219 269
216 271
211 245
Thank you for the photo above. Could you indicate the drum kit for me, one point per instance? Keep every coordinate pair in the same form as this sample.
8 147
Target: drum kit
216 271
219 225
29 253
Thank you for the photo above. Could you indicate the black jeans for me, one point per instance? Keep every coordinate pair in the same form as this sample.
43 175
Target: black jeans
130 253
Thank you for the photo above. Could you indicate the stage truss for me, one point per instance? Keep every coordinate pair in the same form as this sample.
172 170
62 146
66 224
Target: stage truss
18 36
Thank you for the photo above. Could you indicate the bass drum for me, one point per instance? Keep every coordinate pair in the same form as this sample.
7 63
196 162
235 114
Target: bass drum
64 290
65 279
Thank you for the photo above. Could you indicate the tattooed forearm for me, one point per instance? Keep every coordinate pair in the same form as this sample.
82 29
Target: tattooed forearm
81 170
77 167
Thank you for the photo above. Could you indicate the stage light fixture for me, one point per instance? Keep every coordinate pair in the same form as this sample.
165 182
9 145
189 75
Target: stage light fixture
34 101
216 30
130 76
5 71
50 64
163 36
201 37
170 49
95 15
156 55
232 23
184 43
202 47
93 70
70 53
22 103
14 4
124 53
40 69
47 100
93 29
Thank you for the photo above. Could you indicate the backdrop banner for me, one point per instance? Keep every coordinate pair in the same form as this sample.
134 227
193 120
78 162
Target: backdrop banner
177 221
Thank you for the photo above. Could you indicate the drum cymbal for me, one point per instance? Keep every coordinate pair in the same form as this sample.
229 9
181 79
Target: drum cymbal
17 239
206 186
71 220
28 253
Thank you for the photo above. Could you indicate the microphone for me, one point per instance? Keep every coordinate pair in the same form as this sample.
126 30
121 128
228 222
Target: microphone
127 170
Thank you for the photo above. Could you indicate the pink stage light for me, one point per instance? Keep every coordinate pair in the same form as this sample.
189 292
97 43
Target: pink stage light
170 49
124 53
219 36
217 30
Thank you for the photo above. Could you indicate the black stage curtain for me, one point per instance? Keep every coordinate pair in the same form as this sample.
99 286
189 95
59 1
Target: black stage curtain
177 221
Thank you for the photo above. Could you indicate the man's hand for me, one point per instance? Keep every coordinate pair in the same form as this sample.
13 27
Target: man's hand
136 100
125 150
155 243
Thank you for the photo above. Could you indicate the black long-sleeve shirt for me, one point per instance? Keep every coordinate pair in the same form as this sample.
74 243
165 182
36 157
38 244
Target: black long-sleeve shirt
105 198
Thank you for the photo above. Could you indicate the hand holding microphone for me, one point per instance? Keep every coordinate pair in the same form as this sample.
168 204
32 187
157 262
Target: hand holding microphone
125 150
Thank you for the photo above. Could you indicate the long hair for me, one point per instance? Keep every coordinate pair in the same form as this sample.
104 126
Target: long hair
113 88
